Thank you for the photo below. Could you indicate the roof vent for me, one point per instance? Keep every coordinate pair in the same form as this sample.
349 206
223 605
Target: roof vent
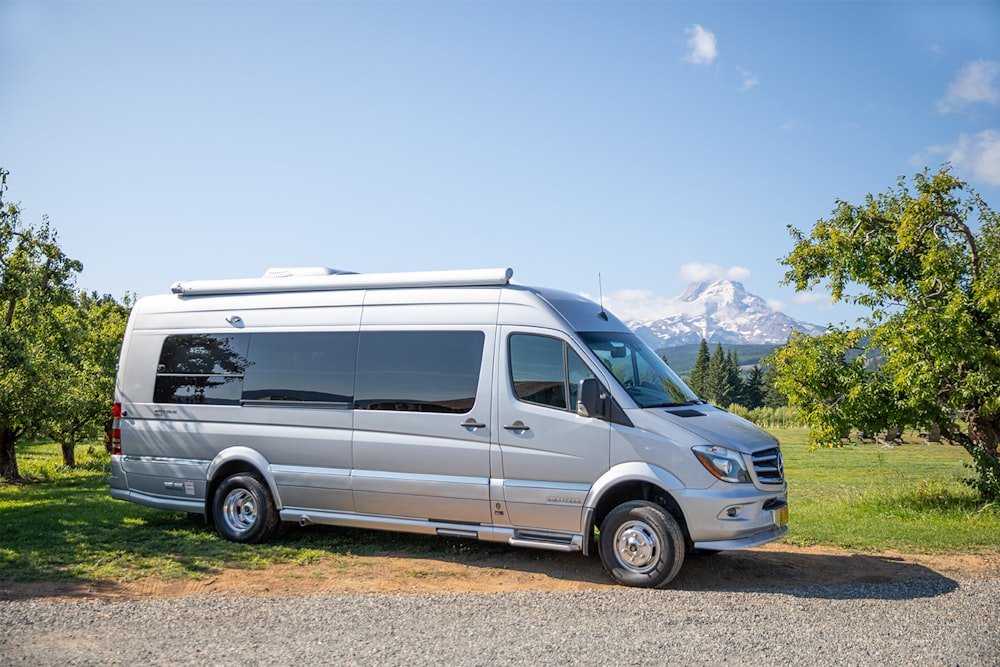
293 271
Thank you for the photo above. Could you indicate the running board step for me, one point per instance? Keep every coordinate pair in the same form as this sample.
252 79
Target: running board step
454 532
562 542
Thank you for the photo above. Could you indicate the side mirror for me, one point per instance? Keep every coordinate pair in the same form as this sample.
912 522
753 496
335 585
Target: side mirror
591 400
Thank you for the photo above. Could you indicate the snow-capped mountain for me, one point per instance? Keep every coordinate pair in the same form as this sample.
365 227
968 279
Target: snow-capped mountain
720 312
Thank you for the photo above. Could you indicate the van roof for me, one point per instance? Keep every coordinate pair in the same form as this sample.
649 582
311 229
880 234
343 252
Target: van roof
313 279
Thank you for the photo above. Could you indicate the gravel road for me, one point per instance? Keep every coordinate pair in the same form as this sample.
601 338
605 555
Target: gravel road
937 621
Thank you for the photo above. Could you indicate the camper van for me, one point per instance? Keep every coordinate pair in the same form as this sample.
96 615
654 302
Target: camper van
454 403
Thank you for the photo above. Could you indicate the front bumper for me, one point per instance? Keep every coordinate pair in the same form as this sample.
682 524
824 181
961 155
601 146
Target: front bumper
733 516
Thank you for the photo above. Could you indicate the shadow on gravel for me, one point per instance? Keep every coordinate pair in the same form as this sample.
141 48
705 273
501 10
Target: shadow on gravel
810 575
824 576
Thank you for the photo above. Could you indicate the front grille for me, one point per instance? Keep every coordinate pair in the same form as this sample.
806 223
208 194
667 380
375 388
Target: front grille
768 466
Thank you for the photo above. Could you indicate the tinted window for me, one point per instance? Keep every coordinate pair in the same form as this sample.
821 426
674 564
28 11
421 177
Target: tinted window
546 371
422 371
314 367
201 369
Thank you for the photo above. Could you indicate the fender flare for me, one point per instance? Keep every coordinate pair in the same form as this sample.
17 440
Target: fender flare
248 456
633 471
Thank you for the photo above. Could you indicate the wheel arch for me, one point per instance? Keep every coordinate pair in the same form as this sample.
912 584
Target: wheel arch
633 481
234 460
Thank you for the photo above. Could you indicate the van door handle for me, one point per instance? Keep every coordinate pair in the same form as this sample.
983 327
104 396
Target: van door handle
472 424
517 426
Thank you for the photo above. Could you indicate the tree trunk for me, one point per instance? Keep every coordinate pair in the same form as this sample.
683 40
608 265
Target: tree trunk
984 431
8 456
981 442
69 454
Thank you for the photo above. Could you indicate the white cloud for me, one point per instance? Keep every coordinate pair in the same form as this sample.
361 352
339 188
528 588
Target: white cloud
977 155
824 301
703 46
750 79
977 82
696 272
774 304
637 304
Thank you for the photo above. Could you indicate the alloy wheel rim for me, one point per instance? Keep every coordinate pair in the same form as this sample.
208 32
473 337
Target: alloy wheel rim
636 547
240 510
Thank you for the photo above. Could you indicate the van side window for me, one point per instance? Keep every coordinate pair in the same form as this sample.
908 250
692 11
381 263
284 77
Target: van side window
305 367
418 371
201 369
545 371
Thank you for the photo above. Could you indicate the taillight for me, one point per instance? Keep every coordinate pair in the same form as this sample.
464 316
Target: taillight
116 429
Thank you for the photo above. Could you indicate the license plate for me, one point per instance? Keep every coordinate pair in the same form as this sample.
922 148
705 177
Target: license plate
781 516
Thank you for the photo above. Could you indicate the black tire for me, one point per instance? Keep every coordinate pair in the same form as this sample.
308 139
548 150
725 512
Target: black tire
243 509
641 545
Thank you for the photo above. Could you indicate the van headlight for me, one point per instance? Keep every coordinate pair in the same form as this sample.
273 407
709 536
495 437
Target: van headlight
726 464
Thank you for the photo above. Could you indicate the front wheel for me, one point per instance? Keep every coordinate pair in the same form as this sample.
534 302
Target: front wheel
641 545
243 510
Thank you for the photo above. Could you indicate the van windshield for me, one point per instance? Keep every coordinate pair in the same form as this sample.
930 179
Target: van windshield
644 375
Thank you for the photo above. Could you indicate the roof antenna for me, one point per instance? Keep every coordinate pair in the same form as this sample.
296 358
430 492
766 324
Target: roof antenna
600 290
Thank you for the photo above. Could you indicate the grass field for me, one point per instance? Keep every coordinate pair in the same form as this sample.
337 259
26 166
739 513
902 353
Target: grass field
64 524
872 498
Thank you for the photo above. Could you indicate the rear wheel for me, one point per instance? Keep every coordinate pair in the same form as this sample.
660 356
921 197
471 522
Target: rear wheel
641 545
243 510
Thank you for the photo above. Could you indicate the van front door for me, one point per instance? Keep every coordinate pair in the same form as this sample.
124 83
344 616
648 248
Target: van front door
551 455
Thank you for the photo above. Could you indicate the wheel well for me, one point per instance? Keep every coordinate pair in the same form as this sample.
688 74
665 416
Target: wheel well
224 471
626 491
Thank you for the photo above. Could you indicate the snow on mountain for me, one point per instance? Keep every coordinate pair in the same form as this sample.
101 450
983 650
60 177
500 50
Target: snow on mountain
720 312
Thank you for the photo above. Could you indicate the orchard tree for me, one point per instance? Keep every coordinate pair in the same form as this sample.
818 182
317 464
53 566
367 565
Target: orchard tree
924 258
89 335
830 379
35 279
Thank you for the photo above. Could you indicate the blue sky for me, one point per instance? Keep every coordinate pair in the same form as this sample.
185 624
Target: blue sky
653 143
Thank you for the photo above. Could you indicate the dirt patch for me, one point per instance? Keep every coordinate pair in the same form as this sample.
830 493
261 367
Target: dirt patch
766 567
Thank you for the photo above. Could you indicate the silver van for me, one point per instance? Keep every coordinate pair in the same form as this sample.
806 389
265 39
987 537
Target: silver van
454 403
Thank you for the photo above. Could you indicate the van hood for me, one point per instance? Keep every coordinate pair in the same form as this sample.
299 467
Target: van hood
717 427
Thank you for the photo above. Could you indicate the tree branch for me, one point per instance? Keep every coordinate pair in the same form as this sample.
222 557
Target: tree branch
970 239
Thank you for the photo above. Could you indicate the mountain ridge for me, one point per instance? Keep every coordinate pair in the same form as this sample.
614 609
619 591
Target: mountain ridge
720 311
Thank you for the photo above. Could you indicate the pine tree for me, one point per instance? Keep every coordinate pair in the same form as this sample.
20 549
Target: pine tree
715 381
735 378
696 381
753 389
772 396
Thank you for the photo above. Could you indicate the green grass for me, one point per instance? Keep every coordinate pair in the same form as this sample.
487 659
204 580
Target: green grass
63 524
868 497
